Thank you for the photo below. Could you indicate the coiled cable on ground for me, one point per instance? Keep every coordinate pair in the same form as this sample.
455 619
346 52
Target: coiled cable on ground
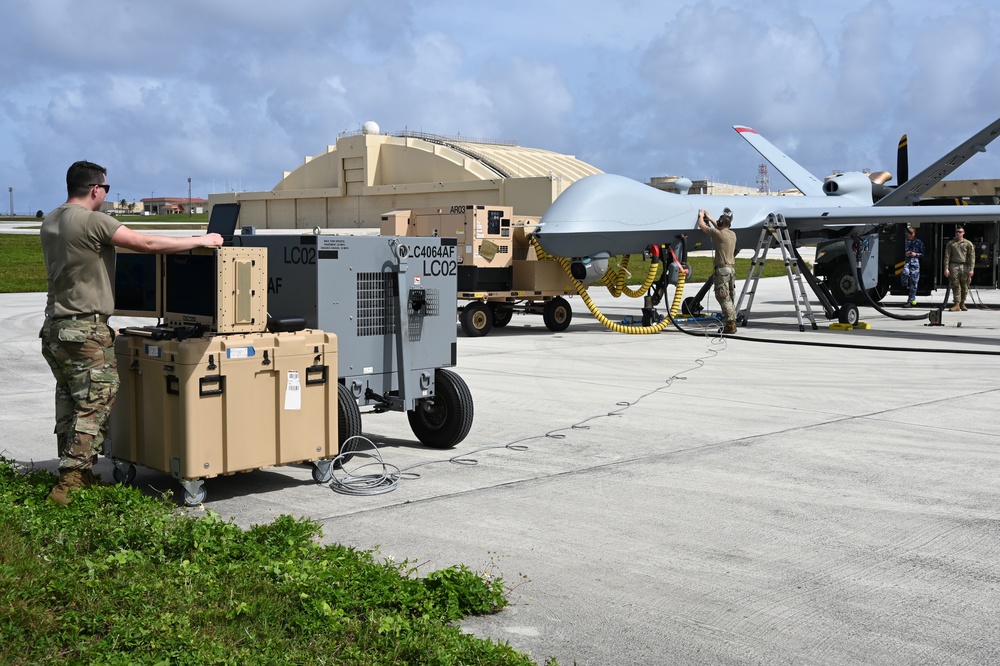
387 480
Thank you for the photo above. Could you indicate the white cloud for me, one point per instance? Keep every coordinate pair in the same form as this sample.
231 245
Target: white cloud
237 91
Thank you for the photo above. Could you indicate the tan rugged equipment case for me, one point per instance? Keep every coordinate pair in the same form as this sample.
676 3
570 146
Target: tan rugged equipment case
231 297
201 407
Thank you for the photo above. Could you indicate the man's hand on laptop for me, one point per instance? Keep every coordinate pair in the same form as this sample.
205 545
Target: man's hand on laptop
212 240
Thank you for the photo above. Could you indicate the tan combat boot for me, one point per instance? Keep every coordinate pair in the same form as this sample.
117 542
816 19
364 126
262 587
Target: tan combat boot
729 328
73 479
955 308
962 305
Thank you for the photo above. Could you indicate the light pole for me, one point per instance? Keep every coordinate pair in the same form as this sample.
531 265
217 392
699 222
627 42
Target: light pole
11 191
189 196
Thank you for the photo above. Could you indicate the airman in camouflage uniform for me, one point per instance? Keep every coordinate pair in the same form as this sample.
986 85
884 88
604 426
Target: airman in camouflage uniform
78 243
81 356
724 274
959 262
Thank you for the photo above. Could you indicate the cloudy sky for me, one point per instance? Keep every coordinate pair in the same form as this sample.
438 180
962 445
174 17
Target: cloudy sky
231 93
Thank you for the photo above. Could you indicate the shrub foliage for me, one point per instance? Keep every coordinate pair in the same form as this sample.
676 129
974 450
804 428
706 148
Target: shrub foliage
121 578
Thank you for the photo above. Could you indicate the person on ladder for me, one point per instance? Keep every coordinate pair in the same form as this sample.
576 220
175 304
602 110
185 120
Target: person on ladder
724 275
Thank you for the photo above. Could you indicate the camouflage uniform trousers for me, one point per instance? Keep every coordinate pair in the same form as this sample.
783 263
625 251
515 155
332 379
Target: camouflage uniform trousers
959 279
725 287
82 358
910 277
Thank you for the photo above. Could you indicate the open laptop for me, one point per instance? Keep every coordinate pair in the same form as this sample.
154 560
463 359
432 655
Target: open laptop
223 221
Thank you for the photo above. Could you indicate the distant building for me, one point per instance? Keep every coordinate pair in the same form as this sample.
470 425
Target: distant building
981 191
704 186
172 205
120 208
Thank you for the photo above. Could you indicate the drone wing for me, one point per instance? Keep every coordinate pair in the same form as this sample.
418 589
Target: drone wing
796 174
908 193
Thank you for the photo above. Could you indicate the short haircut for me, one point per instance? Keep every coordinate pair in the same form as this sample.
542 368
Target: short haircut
83 175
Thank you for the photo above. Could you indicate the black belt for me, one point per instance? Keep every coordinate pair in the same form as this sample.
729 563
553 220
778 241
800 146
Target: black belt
90 316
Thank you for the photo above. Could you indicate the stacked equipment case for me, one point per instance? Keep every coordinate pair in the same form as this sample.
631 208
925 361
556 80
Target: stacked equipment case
211 391
200 407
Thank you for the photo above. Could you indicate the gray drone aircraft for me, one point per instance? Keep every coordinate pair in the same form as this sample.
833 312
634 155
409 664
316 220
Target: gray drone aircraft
605 215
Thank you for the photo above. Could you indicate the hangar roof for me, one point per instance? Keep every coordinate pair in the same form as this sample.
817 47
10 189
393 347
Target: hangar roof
415 157
513 161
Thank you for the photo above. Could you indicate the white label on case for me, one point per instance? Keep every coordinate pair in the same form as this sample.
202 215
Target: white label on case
293 391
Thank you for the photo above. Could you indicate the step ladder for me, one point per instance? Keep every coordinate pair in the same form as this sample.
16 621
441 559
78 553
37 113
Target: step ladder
775 231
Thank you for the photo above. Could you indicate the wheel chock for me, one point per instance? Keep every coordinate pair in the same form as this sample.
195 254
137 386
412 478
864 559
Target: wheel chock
861 325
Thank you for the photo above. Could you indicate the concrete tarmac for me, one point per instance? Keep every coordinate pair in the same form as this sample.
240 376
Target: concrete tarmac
781 497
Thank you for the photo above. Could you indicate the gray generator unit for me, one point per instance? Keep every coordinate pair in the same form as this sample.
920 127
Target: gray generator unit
391 302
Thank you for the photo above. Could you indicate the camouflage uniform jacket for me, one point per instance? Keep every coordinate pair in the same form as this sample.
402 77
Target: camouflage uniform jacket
960 252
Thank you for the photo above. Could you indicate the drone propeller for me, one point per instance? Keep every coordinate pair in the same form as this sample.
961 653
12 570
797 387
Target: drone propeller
880 178
902 161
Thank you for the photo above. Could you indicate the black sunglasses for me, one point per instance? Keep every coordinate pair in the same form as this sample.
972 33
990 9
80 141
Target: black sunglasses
106 187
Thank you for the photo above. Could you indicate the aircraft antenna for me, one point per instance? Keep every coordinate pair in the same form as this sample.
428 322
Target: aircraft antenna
763 180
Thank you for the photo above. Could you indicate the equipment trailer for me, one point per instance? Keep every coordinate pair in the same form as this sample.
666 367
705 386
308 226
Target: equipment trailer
498 273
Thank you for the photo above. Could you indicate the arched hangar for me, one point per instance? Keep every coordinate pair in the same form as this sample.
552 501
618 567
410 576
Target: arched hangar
367 173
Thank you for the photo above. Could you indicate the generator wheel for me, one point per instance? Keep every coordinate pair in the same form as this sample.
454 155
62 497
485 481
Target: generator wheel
502 314
477 319
557 314
348 425
444 420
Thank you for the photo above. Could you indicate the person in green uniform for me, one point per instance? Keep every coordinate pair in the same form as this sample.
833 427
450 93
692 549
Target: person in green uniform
78 244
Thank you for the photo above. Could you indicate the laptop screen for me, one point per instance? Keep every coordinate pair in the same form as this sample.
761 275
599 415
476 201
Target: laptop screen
223 220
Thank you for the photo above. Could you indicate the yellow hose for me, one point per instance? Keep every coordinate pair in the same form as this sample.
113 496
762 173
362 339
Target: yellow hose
619 328
614 280
675 307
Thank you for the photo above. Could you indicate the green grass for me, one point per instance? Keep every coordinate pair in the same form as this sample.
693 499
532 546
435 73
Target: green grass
701 268
22 268
119 577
